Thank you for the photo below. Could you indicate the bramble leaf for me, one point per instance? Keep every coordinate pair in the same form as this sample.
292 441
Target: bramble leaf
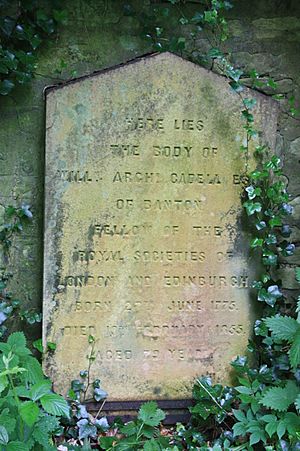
150 414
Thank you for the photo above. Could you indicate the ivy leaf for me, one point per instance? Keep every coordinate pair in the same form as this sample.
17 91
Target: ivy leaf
267 296
7 24
29 412
279 398
55 405
275 222
100 394
86 429
256 242
252 207
287 209
6 87
249 103
269 258
260 225
253 192
283 327
237 87
288 250
150 414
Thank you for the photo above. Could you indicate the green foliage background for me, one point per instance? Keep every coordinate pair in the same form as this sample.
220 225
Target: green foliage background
263 410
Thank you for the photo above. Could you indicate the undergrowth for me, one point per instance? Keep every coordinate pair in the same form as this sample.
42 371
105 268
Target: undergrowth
262 410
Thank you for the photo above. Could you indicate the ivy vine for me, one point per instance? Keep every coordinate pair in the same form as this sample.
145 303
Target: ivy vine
262 411
24 26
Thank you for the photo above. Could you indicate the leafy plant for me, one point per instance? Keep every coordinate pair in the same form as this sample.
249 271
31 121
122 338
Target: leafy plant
23 28
142 433
30 411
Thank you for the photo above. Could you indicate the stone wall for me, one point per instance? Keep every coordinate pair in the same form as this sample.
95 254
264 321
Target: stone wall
265 35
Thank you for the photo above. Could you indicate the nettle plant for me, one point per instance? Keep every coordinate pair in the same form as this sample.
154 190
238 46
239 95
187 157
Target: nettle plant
30 410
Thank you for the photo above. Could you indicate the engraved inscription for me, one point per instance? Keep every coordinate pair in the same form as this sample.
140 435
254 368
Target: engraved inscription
144 245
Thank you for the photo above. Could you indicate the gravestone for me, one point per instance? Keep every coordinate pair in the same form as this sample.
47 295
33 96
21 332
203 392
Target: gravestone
144 244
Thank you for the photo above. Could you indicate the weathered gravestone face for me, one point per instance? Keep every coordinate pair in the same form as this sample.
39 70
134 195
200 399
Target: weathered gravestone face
144 247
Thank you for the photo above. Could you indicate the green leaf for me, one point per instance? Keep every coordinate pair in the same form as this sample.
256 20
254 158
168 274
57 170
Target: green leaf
249 103
294 352
129 428
297 271
150 414
244 390
282 327
34 370
281 428
297 402
3 436
292 422
43 430
271 428
151 445
17 343
268 418
257 436
40 389
239 415
205 408
275 222
6 87
3 383
29 412
256 242
252 207
279 398
17 446
55 405
239 429
38 344
7 421
107 442
86 429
